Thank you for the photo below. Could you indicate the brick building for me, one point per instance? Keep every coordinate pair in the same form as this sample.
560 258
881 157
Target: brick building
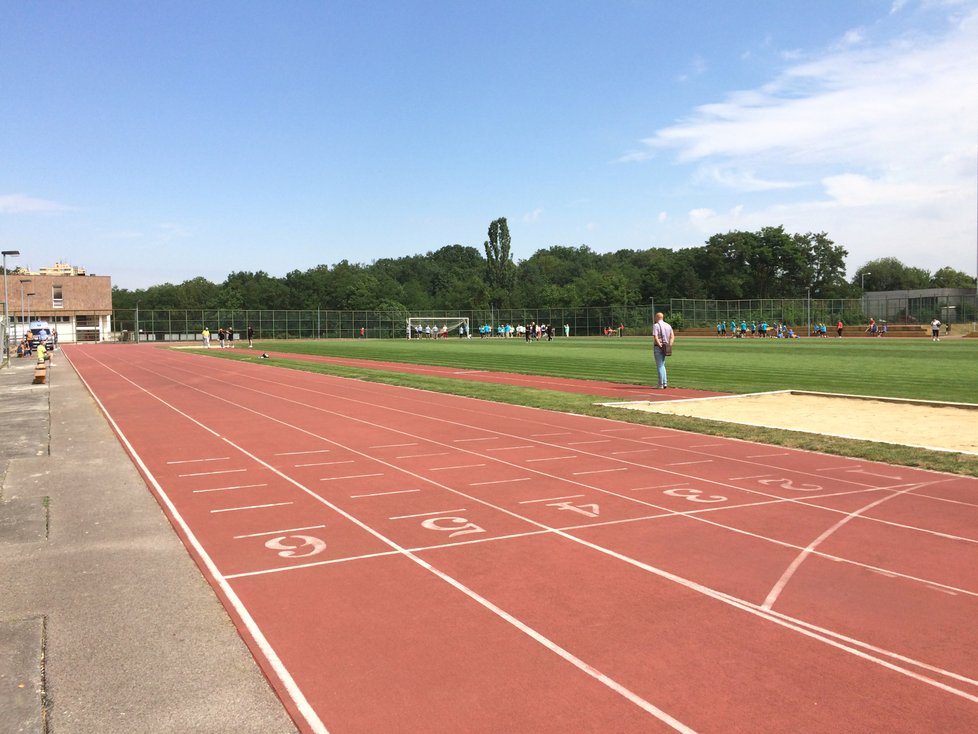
78 306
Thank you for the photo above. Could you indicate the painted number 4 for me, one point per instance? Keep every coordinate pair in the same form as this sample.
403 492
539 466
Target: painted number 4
296 546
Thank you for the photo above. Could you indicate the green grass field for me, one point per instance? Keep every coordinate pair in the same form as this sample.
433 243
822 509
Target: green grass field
904 368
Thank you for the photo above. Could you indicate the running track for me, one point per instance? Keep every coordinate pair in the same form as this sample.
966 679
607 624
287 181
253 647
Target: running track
405 561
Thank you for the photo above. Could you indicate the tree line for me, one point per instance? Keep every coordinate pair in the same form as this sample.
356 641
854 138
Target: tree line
769 263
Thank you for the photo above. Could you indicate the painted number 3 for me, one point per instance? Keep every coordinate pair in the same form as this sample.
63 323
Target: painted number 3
296 546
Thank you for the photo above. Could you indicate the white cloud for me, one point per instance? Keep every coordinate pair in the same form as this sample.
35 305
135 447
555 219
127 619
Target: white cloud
23 204
663 216
879 134
533 216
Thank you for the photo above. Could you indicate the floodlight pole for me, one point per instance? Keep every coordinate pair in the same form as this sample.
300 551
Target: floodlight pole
6 313
809 311
22 301
862 281
29 308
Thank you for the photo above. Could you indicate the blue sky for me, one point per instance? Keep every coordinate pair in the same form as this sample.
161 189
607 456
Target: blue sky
160 141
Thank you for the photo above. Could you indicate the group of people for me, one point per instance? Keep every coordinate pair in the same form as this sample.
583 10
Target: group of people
31 343
752 329
529 332
434 332
225 337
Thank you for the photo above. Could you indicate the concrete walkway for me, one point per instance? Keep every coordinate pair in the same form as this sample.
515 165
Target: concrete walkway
106 624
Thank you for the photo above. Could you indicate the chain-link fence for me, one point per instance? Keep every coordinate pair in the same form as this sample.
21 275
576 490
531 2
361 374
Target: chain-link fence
908 307
187 324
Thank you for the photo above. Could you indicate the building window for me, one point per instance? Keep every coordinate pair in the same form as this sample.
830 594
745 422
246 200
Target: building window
57 297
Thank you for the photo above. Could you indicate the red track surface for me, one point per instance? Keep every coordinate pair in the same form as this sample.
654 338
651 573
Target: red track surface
404 561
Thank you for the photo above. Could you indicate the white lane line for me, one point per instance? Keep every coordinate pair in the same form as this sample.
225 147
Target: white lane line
423 456
381 494
254 507
582 443
484 438
325 463
675 485
609 430
599 471
278 532
195 461
753 476
297 453
631 451
835 468
211 473
765 456
511 448
540 435
351 476
425 514
551 499
392 445
944 591
499 481
688 463
550 458
873 474
778 587
457 466
707 445
223 489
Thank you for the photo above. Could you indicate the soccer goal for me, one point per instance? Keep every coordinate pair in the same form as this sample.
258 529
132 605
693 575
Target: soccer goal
434 327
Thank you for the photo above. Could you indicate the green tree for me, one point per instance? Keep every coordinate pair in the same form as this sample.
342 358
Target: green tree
500 270
889 274
948 277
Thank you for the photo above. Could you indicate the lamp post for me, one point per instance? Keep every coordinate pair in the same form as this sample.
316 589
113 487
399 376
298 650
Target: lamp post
862 281
809 299
22 321
6 313
29 308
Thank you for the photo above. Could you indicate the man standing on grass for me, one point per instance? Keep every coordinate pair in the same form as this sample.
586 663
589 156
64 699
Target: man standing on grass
935 330
664 336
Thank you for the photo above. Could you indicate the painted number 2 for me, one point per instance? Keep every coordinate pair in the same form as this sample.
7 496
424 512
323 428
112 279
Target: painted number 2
786 483
694 495
296 546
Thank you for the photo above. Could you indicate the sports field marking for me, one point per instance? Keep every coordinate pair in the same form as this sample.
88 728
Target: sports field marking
551 499
780 619
211 473
944 499
631 451
422 456
752 476
707 445
483 438
599 471
351 476
297 453
610 430
779 585
392 445
426 514
194 461
874 474
671 485
766 456
500 481
278 532
382 494
943 591
253 507
550 458
457 466
690 463
512 448
224 489
583 443
541 435
325 463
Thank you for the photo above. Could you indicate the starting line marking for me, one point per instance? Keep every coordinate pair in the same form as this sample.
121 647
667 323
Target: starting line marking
381 494
551 499
500 481
209 473
194 461
222 489
351 476
425 514
253 507
277 532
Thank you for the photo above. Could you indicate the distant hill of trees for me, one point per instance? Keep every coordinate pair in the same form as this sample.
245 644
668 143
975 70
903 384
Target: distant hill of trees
770 263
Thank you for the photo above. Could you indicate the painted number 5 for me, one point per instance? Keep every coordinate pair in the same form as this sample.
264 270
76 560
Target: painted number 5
453 525
296 546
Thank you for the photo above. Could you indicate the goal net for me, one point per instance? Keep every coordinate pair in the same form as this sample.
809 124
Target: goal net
434 327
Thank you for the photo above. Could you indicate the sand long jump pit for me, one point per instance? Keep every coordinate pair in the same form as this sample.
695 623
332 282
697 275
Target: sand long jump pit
934 426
